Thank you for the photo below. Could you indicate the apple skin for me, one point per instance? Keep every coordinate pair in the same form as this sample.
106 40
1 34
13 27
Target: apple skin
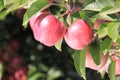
79 35
91 64
47 29
21 74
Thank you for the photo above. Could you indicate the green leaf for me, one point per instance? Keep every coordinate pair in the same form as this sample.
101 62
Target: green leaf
36 76
95 51
1 70
79 58
112 29
118 40
17 5
3 14
104 17
1 5
117 2
98 5
111 70
53 74
105 45
84 16
115 9
58 45
34 8
102 31
118 77
8 2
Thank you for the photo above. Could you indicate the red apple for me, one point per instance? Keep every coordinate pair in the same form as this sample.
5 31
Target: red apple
21 74
91 64
47 29
79 35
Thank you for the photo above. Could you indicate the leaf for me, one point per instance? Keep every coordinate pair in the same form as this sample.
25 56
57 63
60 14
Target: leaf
34 8
3 14
79 58
36 76
84 16
54 74
58 45
112 29
95 51
117 2
102 31
118 40
105 45
111 70
115 9
1 70
1 5
104 17
8 2
98 5
19 5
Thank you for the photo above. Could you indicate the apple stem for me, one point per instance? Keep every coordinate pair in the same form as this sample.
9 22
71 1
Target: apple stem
65 13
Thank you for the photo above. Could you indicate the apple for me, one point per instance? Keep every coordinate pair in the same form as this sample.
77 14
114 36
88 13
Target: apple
47 29
91 64
11 77
79 34
21 74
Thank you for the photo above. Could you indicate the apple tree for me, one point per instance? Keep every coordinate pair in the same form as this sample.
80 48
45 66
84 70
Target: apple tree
90 28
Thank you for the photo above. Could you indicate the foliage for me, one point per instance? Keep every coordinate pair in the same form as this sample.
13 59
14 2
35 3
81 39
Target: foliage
16 38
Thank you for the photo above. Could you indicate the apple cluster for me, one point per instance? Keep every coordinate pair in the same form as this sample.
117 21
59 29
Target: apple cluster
48 30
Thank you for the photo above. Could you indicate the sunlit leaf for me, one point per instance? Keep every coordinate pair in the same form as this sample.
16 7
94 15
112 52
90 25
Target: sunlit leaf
7 2
54 74
1 70
1 5
112 29
118 40
98 5
35 7
111 70
58 45
115 9
102 31
36 76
